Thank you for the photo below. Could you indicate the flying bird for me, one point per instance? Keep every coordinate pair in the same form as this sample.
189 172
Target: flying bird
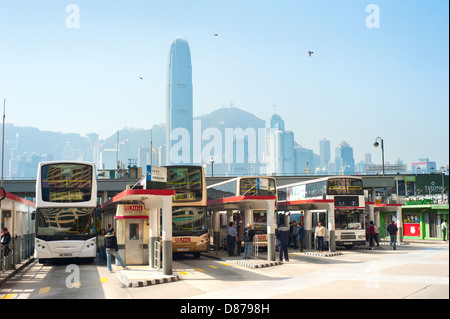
216 34
141 78
310 53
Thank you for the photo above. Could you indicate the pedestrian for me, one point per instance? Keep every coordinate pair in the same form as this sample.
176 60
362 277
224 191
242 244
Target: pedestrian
101 246
112 249
444 228
283 236
374 234
232 238
293 230
301 237
5 240
319 234
249 233
392 230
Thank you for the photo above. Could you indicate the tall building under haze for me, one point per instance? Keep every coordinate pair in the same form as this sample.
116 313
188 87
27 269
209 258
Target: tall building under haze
179 115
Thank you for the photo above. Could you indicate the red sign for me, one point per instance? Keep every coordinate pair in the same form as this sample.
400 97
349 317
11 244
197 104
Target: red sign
182 239
411 230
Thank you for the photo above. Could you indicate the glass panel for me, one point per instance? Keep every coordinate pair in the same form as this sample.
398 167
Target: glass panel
187 183
349 220
355 187
134 232
337 186
66 183
65 223
189 221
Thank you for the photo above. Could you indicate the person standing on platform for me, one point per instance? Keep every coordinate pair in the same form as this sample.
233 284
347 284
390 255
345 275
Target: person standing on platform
444 229
300 237
283 236
392 230
249 233
319 235
232 238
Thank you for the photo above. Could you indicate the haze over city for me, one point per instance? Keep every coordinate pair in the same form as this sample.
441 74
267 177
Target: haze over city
91 67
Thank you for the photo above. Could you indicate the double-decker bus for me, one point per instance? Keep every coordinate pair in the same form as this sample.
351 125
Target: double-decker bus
349 204
66 201
189 218
245 186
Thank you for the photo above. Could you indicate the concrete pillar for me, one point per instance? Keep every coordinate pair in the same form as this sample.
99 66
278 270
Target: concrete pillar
270 230
399 224
153 235
248 217
331 228
308 230
216 230
166 245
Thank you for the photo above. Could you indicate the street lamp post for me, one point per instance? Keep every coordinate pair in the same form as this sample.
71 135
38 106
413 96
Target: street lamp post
382 149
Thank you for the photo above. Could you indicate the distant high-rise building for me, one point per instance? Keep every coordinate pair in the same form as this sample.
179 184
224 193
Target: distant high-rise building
345 163
179 129
325 154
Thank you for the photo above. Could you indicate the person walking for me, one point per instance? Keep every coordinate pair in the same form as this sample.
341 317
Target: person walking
283 236
101 246
294 230
374 234
444 229
249 233
300 237
392 230
232 238
5 240
112 249
319 234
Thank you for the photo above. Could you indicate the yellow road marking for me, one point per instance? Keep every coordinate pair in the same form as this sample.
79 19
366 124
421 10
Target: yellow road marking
199 269
213 266
7 296
103 279
76 284
44 290
183 273
225 264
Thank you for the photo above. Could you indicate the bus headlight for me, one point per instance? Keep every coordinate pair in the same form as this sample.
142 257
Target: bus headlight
361 236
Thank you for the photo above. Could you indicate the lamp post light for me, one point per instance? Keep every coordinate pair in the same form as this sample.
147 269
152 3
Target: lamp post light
382 149
212 166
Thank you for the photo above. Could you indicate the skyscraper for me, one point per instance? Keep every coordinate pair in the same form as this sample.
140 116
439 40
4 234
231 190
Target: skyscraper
179 131
345 163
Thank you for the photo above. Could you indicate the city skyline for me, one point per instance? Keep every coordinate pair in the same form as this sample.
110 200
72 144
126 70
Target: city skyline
105 66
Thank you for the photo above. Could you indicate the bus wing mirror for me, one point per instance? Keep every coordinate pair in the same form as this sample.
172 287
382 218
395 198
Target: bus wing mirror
33 215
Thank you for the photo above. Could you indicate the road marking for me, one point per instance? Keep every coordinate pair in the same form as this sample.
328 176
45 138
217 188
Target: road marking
184 273
225 264
7 296
76 284
213 266
199 269
44 290
103 279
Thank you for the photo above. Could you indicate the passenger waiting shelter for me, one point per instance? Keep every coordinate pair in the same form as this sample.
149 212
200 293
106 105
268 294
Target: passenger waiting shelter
136 214
252 199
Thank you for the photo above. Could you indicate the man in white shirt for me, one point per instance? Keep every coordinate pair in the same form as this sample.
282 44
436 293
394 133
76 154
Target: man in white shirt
444 229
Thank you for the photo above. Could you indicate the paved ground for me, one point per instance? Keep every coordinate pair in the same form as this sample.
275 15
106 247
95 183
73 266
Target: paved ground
414 271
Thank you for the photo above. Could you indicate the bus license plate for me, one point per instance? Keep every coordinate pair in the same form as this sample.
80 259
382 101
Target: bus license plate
348 243
182 249
65 255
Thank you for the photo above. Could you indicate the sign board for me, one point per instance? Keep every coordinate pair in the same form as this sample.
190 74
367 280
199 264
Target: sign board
378 168
429 184
156 177
262 184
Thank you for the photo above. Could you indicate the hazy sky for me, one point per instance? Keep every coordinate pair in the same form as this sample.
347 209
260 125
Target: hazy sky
78 71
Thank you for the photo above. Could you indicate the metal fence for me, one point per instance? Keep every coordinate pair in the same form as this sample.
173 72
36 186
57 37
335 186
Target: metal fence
18 250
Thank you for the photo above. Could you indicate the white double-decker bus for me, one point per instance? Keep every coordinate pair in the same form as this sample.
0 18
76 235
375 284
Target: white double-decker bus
66 201
349 204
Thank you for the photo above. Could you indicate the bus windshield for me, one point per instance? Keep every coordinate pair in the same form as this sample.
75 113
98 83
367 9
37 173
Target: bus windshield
65 223
188 221
66 182
257 187
187 183
349 220
345 186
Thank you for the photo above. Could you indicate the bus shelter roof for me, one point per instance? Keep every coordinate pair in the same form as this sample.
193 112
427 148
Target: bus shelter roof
151 197
310 204
240 203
